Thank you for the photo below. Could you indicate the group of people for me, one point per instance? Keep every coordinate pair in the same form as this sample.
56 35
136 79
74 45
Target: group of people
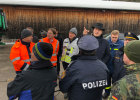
91 64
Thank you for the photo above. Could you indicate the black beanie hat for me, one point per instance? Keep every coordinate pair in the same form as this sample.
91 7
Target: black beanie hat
25 33
43 51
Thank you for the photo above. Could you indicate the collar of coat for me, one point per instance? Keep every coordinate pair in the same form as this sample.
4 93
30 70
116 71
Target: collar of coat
41 64
25 43
72 39
133 68
83 57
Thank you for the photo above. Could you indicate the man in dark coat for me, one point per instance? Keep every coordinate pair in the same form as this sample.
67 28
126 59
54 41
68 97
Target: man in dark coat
119 70
39 81
103 52
115 44
128 87
86 76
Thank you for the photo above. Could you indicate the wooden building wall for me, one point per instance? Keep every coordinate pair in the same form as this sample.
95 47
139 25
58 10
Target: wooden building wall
63 19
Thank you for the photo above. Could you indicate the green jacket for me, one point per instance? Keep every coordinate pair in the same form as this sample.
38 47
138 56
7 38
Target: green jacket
128 88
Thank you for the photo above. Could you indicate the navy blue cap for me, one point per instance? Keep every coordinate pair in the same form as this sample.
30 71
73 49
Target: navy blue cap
130 36
88 43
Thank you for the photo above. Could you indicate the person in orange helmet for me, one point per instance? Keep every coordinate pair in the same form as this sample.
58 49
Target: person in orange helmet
20 54
55 43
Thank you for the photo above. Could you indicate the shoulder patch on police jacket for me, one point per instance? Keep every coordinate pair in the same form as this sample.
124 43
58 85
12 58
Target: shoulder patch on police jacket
63 74
114 98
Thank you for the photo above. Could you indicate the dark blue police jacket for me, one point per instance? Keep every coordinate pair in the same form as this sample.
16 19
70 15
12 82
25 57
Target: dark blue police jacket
85 79
114 47
119 70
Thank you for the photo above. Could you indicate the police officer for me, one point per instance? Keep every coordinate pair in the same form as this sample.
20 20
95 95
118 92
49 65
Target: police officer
103 52
119 70
86 76
128 88
115 44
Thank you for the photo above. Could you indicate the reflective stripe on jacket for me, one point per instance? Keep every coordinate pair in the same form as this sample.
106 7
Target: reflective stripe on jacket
69 49
19 56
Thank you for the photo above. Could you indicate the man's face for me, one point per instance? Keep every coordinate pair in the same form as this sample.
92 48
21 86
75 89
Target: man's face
50 34
126 41
97 32
71 35
114 38
28 39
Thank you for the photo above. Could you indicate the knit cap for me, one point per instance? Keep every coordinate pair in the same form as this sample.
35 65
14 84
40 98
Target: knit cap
43 51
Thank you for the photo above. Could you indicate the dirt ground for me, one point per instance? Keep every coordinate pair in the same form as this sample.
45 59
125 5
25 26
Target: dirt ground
7 73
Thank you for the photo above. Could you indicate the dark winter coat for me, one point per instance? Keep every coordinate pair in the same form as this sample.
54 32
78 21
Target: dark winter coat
103 52
85 79
60 39
114 47
119 70
37 83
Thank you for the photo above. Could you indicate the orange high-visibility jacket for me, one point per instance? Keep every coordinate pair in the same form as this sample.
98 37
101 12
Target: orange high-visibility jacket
55 44
19 56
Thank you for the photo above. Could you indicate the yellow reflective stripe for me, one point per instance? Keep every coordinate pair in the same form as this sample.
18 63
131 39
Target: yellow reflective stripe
116 49
63 58
130 37
68 59
110 48
64 55
17 58
71 50
108 88
43 57
117 57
